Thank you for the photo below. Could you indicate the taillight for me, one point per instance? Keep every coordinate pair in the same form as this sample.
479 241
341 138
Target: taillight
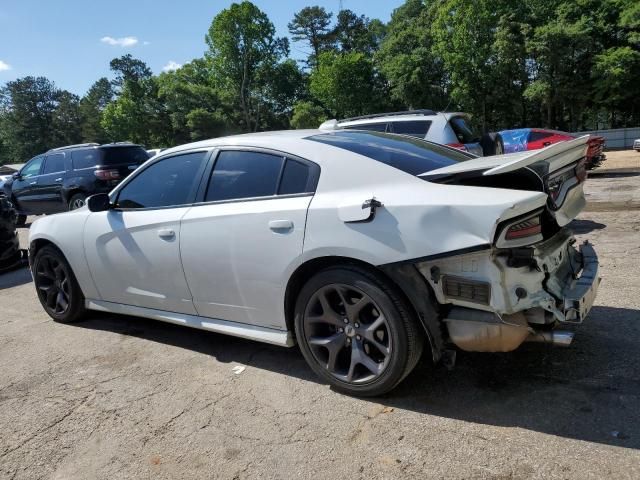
459 146
528 227
107 174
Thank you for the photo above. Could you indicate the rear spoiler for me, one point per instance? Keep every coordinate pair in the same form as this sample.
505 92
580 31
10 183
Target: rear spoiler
562 153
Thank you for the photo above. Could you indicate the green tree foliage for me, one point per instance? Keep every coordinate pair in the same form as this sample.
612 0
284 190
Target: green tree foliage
35 116
568 64
91 107
312 25
345 83
244 52
307 115
406 58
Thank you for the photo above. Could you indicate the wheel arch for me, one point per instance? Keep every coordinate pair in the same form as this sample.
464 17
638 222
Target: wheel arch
406 280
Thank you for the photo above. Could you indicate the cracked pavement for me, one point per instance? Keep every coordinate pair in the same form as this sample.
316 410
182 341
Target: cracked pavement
120 397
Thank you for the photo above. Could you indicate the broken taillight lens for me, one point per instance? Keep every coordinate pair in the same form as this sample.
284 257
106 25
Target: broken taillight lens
526 228
581 170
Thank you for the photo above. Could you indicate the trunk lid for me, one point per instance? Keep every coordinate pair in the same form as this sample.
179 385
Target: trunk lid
560 167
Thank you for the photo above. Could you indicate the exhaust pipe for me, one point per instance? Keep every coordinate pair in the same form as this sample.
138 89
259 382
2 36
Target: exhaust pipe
561 338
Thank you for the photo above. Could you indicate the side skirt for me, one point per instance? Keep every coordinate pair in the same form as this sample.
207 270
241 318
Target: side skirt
261 334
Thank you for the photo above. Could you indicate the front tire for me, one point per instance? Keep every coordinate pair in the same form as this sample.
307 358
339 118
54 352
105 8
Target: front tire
56 286
356 332
77 201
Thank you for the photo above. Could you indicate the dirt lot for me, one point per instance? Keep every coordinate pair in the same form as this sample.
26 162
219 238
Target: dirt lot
120 397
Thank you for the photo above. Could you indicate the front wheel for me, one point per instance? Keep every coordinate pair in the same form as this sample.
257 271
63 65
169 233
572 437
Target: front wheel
77 201
356 332
56 285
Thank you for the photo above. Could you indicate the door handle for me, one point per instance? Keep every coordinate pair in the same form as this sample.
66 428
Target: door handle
166 233
280 225
33 183
58 179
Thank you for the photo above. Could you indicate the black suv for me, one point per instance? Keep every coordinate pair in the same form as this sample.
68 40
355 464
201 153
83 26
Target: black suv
64 177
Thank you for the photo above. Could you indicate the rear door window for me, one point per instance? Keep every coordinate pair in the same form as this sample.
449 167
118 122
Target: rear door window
85 158
244 174
415 128
296 178
462 129
54 163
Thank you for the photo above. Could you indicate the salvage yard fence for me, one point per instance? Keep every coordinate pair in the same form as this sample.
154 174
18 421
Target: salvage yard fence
618 138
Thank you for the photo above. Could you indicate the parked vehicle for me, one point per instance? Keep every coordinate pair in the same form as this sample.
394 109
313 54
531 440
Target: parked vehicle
362 247
523 139
61 179
10 253
636 145
154 151
447 128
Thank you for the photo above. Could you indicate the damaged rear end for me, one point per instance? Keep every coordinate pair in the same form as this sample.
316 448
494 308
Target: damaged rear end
533 278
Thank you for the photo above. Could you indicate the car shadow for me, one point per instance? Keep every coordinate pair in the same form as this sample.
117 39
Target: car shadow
585 226
589 391
15 277
614 173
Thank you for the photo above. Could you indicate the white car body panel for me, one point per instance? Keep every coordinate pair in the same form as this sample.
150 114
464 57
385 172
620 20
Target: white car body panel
238 261
227 266
132 264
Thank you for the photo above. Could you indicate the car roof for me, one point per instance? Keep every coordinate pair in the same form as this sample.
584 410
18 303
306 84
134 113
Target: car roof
399 117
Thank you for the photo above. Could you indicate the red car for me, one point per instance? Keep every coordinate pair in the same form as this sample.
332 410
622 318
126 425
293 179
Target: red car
518 140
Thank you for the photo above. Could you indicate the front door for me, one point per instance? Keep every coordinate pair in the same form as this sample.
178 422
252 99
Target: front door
24 187
240 247
50 184
133 250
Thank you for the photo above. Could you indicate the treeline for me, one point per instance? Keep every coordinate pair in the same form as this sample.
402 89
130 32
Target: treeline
568 64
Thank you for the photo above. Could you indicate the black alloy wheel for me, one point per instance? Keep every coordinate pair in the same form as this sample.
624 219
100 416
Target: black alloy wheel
356 331
56 286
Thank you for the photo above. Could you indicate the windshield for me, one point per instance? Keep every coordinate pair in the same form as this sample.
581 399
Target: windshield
411 155
119 155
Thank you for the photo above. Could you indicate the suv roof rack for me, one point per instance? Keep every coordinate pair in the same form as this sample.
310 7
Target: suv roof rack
77 145
423 111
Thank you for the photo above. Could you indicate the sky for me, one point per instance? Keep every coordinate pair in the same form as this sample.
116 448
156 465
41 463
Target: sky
72 41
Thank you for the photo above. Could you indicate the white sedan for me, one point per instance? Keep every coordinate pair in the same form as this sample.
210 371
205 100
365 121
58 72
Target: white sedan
362 247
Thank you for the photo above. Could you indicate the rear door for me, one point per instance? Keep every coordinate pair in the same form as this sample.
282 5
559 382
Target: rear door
241 244
50 183
24 187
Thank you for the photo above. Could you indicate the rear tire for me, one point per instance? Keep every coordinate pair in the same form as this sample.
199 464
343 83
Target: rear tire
499 147
77 201
56 286
356 331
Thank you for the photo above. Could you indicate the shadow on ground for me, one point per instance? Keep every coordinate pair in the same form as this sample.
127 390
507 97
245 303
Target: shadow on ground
589 391
15 277
614 173
585 226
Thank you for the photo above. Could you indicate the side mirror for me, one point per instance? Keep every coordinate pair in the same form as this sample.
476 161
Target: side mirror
17 176
99 202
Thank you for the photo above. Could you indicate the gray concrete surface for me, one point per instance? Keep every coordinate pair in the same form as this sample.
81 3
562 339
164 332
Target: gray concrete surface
119 397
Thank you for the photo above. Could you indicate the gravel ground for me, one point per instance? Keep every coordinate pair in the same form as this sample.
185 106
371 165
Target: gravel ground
120 397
